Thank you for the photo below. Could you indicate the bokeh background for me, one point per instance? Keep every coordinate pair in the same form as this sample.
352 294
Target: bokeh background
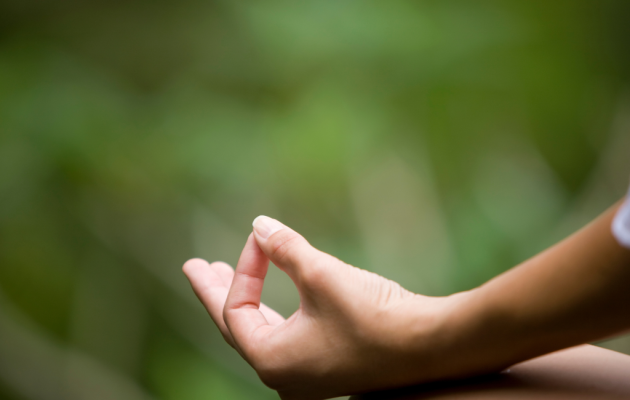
437 143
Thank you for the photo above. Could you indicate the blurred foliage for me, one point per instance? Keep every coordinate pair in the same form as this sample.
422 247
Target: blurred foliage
437 143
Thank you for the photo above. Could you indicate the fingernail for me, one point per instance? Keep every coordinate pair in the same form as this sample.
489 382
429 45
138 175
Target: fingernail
265 226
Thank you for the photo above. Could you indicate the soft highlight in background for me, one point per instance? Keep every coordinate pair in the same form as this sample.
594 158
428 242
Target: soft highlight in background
437 143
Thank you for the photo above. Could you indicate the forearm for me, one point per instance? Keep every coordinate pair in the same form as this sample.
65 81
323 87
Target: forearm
575 292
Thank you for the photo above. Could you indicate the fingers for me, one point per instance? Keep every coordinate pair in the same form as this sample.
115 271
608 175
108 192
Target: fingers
209 285
227 274
241 312
224 271
290 251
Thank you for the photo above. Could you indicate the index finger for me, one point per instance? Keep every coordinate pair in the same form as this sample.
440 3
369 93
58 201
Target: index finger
242 307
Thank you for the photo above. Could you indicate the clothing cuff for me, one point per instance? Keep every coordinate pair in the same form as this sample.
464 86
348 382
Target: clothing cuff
621 224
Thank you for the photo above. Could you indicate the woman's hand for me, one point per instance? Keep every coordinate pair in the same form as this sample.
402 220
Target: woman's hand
354 330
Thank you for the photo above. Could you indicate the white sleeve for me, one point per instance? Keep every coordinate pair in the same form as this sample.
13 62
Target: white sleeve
621 223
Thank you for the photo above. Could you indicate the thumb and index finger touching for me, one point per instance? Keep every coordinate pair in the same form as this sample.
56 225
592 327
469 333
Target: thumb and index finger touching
287 249
233 297
270 240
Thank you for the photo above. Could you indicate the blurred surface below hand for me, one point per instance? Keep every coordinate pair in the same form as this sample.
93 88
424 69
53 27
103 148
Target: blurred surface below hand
584 372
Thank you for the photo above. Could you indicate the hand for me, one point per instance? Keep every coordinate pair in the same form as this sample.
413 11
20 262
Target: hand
354 330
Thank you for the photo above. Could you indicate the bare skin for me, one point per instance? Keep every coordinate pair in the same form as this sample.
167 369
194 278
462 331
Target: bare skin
356 331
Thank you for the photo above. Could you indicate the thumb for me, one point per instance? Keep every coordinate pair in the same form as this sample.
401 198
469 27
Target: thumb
290 252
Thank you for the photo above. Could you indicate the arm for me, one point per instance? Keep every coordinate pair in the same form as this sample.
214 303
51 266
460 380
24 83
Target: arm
356 331
575 292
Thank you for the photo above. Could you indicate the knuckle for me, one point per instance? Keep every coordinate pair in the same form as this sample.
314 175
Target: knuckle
314 273
283 243
319 270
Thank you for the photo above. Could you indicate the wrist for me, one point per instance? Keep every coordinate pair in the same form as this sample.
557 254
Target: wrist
469 337
482 333
435 338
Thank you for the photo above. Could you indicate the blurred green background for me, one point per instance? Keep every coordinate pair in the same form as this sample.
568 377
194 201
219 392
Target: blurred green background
437 143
